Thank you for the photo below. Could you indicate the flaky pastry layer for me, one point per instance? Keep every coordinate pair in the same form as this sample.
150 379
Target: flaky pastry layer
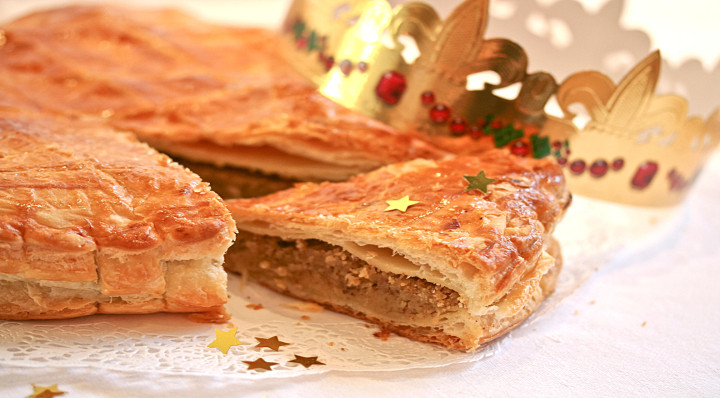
82 204
477 244
484 246
233 182
209 93
315 271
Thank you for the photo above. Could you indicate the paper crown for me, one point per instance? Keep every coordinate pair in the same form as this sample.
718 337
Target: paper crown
410 69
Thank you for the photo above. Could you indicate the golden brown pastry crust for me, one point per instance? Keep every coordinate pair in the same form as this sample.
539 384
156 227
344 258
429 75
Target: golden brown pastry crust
184 83
486 247
489 239
312 137
93 221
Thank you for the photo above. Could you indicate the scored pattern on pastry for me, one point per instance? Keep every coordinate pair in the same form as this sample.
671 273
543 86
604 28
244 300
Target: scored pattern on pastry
93 221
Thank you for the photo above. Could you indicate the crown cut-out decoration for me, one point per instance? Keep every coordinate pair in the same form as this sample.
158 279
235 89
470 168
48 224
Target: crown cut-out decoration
410 69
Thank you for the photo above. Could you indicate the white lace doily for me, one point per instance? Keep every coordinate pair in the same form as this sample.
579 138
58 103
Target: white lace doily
592 233
170 343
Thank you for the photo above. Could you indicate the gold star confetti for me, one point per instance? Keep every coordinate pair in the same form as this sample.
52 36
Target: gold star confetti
480 181
272 343
260 364
400 204
306 361
225 340
45 392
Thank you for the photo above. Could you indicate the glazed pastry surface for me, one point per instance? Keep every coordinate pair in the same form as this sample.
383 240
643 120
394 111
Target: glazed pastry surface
92 221
207 93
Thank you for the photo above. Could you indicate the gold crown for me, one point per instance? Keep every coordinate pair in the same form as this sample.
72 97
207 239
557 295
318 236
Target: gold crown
637 148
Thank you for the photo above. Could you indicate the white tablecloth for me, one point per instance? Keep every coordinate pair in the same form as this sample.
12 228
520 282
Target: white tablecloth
647 323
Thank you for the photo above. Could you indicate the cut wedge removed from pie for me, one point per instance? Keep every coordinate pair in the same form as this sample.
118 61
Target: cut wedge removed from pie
458 268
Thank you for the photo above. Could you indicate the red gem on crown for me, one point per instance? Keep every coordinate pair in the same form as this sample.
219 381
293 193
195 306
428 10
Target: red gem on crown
439 113
644 175
391 87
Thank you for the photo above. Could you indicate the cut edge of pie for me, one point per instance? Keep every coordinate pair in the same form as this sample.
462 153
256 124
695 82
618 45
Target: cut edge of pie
382 292
458 268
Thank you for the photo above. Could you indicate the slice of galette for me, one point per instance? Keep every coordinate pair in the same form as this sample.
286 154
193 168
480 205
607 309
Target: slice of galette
418 247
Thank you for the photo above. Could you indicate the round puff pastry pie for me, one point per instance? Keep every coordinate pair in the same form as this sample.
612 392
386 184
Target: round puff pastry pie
92 221
458 268
219 99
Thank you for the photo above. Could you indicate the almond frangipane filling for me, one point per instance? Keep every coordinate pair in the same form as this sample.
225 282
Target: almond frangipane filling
315 270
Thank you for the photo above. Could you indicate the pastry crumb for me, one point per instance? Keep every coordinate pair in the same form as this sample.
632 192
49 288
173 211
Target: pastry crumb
304 306
218 315
352 281
255 306
644 323
305 318
331 343
382 334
